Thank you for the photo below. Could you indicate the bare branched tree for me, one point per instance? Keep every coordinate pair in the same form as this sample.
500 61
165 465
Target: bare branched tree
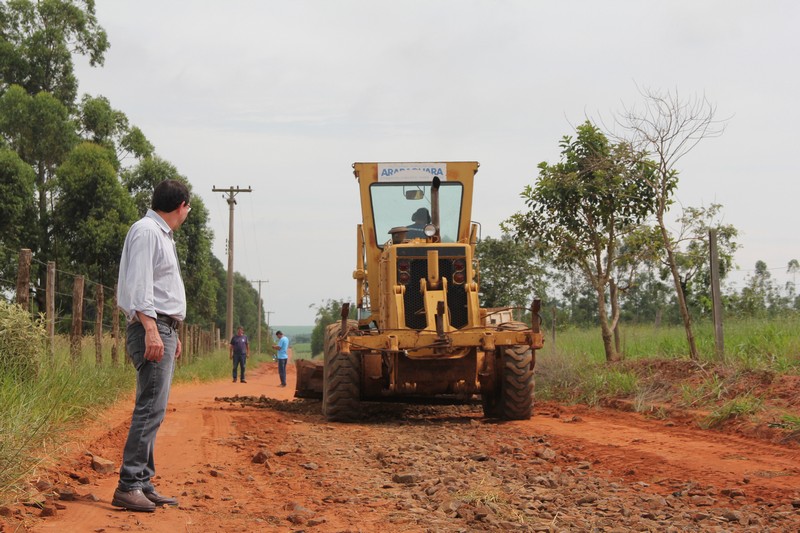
665 127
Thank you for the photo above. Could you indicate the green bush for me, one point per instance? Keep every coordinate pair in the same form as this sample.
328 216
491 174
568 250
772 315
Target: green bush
22 342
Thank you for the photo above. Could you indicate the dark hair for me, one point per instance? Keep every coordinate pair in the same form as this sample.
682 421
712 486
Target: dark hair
422 214
169 195
279 332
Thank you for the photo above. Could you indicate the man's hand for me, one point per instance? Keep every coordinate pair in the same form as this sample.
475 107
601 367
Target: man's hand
154 346
178 349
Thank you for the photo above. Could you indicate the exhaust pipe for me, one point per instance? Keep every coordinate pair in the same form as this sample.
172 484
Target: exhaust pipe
435 205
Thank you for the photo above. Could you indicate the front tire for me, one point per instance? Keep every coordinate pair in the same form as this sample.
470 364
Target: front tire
516 383
341 391
512 397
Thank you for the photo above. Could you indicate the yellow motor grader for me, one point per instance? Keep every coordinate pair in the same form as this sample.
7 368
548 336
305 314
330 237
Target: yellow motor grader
420 331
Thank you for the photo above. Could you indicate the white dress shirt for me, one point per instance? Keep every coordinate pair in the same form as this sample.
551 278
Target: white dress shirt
149 273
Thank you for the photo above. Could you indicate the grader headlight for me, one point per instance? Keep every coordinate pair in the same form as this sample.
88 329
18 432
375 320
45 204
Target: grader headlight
403 271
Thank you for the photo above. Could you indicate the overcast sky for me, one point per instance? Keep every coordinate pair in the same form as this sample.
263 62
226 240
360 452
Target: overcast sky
284 96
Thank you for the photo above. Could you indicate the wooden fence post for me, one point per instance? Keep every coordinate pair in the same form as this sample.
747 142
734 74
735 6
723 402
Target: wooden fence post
50 312
98 324
77 318
114 331
24 279
184 348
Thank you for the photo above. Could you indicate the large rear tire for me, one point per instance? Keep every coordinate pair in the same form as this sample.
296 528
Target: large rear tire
341 391
512 397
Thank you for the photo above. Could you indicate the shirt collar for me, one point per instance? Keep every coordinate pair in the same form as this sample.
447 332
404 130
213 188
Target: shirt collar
160 221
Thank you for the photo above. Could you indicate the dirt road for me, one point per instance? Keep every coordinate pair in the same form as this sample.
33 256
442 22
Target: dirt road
271 464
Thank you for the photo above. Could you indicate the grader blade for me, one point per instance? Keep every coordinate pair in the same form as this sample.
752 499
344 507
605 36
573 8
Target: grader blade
309 378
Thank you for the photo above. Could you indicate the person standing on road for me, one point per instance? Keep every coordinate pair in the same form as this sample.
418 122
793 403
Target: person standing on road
151 293
240 349
283 355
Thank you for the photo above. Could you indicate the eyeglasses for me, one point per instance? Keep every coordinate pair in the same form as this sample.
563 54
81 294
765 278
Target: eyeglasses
188 207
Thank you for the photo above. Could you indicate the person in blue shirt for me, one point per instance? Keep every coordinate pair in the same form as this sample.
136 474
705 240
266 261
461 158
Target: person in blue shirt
240 349
283 355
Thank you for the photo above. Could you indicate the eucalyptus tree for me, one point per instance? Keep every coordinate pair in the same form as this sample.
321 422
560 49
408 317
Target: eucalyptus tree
666 127
691 245
328 312
39 39
759 297
581 207
18 215
92 212
793 267
41 132
104 125
509 277
245 306
38 88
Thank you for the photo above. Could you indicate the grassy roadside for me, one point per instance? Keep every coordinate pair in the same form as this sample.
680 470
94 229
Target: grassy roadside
756 380
36 413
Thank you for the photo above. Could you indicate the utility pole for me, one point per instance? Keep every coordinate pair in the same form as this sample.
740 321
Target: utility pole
231 198
260 305
268 313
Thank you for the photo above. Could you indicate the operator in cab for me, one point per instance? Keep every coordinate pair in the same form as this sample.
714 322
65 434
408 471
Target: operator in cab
420 219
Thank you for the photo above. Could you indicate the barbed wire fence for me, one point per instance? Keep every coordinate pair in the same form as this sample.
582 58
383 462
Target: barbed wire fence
195 340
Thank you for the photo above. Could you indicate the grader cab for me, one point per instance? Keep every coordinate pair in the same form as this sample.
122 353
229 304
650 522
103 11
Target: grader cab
420 331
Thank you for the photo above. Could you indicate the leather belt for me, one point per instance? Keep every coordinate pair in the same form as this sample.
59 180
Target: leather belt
168 320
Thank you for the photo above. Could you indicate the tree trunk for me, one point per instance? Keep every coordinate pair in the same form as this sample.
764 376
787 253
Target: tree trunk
24 279
115 331
98 324
43 244
50 296
612 285
673 266
608 335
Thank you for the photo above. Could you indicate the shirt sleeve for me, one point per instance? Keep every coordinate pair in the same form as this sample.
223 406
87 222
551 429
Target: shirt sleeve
137 279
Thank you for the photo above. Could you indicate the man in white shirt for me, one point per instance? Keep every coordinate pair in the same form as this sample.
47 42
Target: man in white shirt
150 292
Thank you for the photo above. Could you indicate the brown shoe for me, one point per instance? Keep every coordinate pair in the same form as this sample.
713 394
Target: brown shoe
158 499
133 500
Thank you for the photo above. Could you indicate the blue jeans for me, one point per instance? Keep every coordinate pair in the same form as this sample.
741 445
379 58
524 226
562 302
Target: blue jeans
239 360
153 381
282 370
